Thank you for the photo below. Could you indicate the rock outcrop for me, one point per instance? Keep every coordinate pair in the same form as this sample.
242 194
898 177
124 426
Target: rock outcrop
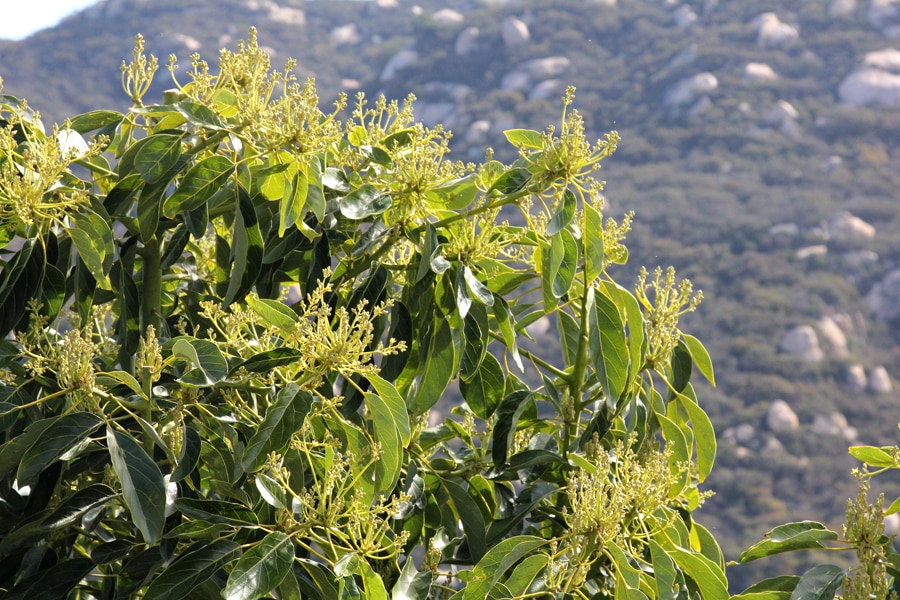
447 17
880 381
781 418
884 297
772 33
833 335
802 341
466 41
515 32
690 89
402 60
759 72
856 378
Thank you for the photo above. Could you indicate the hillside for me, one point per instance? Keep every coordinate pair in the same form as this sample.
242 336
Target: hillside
759 152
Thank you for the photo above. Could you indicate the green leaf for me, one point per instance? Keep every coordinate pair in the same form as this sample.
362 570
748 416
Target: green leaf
477 290
93 240
700 357
395 404
77 505
11 452
484 391
497 562
315 194
364 202
507 329
283 418
217 511
191 569
463 300
198 185
439 366
412 584
199 114
113 378
207 365
802 535
634 321
469 514
677 442
524 138
512 181
61 437
261 568
293 201
564 213
387 469
189 456
455 194
95 119
274 313
525 575
143 487
559 263
773 588
270 359
704 435
157 155
594 256
606 343
372 583
246 250
819 583
664 575
710 579
876 457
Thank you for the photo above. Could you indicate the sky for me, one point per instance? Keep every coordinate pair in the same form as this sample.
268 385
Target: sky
21 18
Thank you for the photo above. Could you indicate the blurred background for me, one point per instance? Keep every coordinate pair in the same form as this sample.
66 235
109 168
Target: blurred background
759 152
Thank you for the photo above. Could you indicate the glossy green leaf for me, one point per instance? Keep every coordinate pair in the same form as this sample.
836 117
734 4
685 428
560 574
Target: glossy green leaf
274 313
471 518
246 250
455 194
412 584
512 181
677 443
75 506
773 588
559 265
387 469
261 568
875 457
497 562
607 346
189 455
283 418
207 366
157 155
526 575
484 391
803 535
700 356
293 201
59 438
95 119
264 362
705 573
143 488
664 575
506 325
438 368
704 435
12 451
819 583
564 213
372 583
524 138
199 114
594 254
395 404
218 511
364 202
198 185
93 239
463 300
192 568
113 378
477 290
634 322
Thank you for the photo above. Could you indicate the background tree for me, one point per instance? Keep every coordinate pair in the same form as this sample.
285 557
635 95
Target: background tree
228 316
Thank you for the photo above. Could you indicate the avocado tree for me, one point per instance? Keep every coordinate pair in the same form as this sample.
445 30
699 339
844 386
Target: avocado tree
229 319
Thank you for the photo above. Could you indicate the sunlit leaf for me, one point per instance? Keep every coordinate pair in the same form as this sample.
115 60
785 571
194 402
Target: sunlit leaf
143 488
261 568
